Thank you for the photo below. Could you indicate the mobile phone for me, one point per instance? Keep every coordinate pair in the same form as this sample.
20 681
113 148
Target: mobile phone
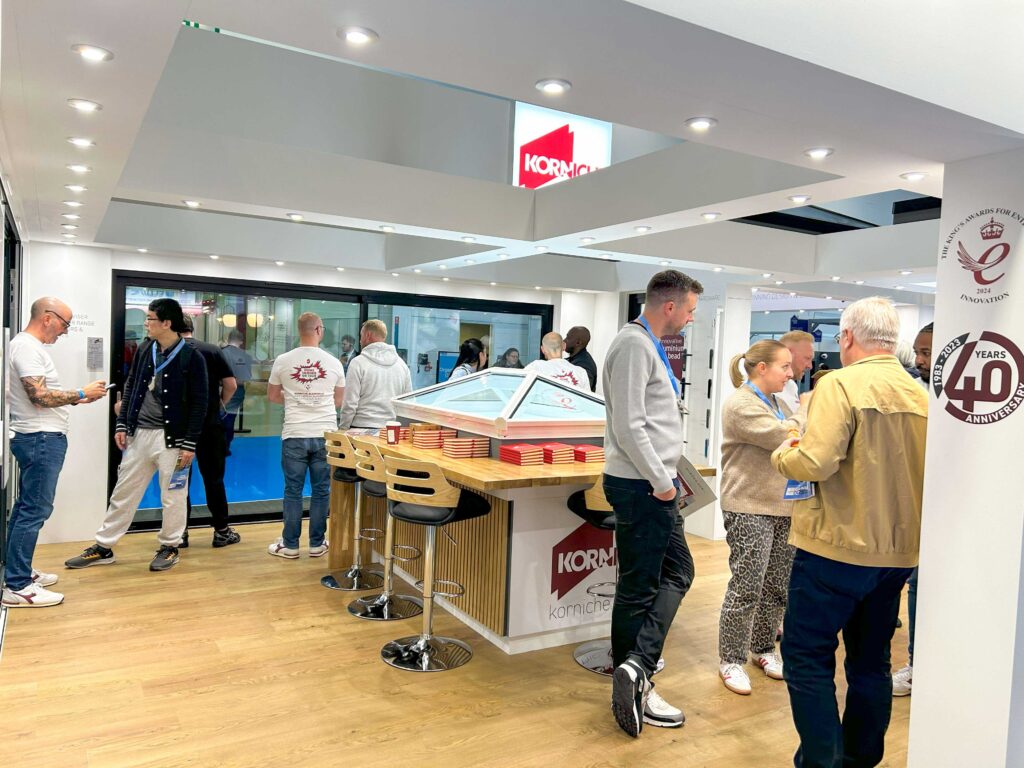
110 386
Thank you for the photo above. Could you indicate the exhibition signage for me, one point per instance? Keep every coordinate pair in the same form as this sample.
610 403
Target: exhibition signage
550 146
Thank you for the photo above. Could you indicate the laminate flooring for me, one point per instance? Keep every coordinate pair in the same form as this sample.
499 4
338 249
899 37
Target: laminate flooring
237 658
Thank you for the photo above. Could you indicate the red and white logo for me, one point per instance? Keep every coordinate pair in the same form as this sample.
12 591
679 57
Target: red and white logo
578 555
550 158
982 380
308 372
984 255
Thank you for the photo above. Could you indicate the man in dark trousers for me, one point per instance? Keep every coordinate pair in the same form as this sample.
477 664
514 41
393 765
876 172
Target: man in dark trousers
643 442
576 341
212 447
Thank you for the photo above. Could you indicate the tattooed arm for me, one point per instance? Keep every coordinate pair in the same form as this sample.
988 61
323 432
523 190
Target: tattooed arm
35 388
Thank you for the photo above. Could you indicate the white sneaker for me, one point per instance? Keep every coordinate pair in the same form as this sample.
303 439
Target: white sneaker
735 678
902 681
321 550
770 663
43 579
280 550
32 596
659 712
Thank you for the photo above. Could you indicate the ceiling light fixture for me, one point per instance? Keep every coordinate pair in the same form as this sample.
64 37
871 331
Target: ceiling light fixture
663 263
92 52
766 274
81 143
540 248
76 168
716 269
295 216
417 270
386 229
792 293
502 256
643 229
710 215
69 226
442 266
71 216
468 239
68 234
553 86
828 298
279 263
340 269
446 279
606 255
586 240
818 153
394 274
906 272
913 176
67 242
701 124
858 282
75 188
192 203
142 250
836 278
72 204
800 311
799 199
766 312
493 283
358 35
753 290
470 261
214 256
779 282
84 105
899 287
536 287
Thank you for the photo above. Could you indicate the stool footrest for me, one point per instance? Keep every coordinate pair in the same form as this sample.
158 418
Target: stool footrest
603 589
459 590
416 553
370 534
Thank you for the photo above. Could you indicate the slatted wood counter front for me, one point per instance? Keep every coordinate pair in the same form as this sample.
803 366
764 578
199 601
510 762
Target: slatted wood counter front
480 557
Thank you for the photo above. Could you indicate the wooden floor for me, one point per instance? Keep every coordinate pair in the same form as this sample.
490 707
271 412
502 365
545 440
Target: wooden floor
236 658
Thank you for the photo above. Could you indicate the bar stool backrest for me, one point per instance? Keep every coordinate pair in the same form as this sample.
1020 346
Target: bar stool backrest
419 482
340 451
595 498
369 462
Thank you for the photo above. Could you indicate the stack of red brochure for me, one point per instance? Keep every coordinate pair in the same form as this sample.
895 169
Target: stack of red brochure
522 453
557 453
467 447
588 453
427 438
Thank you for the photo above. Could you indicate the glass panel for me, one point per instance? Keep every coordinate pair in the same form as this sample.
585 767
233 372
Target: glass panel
548 401
485 395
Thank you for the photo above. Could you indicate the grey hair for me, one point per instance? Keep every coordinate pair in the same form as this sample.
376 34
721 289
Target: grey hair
872 322
905 353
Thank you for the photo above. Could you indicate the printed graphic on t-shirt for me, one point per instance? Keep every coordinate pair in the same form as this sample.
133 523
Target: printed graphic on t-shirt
568 377
309 372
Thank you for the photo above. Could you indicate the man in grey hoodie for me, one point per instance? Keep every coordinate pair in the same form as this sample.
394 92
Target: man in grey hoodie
374 377
643 441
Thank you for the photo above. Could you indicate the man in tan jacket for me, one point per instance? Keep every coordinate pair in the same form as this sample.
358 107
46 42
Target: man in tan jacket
857 538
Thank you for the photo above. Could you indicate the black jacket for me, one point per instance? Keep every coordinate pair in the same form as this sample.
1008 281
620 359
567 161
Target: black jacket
586 362
184 395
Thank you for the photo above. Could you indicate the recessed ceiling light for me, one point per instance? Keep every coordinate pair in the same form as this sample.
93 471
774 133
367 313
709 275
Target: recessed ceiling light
536 287
828 298
340 269
663 263
858 282
295 216
470 261
710 215
417 270
493 283
753 290
906 272
899 287
75 188
446 279
818 153
92 52
80 142
386 228
358 35
800 311
502 256
72 204
142 250
69 226
67 242
279 263
442 266
799 198
75 168
68 234
540 248
913 176
766 312
214 256
552 86
192 203
606 255
642 229
779 282
468 239
836 278
84 105
394 274
766 274
716 269
71 216
701 124
792 293
586 240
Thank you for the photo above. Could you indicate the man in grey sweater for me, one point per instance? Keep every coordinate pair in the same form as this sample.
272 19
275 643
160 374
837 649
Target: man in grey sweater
376 376
643 442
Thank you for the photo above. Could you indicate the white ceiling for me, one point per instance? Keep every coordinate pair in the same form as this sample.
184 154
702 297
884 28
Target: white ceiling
915 107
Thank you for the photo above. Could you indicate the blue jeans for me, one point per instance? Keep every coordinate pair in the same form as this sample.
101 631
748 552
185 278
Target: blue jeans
912 611
655 570
299 454
827 597
40 457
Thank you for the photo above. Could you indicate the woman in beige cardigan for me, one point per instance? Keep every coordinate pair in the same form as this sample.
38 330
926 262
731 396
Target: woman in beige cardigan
756 516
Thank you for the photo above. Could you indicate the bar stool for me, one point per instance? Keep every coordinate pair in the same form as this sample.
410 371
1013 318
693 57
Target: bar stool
592 506
386 605
422 496
341 455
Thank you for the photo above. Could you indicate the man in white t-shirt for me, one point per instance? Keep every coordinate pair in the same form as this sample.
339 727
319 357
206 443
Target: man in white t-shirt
554 365
39 420
310 384
801 346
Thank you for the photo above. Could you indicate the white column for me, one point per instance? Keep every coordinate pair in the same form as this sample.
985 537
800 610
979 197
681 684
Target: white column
968 701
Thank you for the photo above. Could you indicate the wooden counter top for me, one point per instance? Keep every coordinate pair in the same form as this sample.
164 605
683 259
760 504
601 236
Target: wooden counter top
492 474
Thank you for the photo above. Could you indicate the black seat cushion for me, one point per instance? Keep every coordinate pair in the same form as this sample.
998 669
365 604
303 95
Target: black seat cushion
577 504
470 505
374 488
345 475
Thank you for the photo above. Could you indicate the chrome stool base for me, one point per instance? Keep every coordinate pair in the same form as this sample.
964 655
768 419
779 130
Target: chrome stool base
386 607
595 656
419 654
354 579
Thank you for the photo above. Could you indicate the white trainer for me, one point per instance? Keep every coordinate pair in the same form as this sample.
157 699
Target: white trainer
660 713
278 549
770 663
902 681
32 596
321 550
43 579
735 678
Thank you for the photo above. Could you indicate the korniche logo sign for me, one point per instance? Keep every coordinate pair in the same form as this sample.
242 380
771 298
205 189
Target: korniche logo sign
578 555
551 146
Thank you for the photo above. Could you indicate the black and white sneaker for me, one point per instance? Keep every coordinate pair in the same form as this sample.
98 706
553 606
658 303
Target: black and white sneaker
93 555
659 712
630 688
225 538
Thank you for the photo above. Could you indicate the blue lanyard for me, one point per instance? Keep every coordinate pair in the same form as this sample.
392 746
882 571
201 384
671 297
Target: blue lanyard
164 364
776 409
642 321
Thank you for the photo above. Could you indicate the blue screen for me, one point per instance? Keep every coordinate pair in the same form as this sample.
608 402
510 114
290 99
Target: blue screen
445 364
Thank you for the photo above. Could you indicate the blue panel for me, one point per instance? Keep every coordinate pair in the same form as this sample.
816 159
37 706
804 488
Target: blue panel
547 401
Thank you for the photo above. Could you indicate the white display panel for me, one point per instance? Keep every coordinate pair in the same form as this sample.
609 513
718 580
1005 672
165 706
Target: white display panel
549 146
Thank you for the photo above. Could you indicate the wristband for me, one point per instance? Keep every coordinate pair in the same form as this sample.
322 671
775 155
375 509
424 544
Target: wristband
81 394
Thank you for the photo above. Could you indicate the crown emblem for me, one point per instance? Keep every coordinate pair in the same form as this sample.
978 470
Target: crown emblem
992 231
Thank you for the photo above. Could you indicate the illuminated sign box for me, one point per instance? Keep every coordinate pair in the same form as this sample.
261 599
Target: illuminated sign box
550 146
